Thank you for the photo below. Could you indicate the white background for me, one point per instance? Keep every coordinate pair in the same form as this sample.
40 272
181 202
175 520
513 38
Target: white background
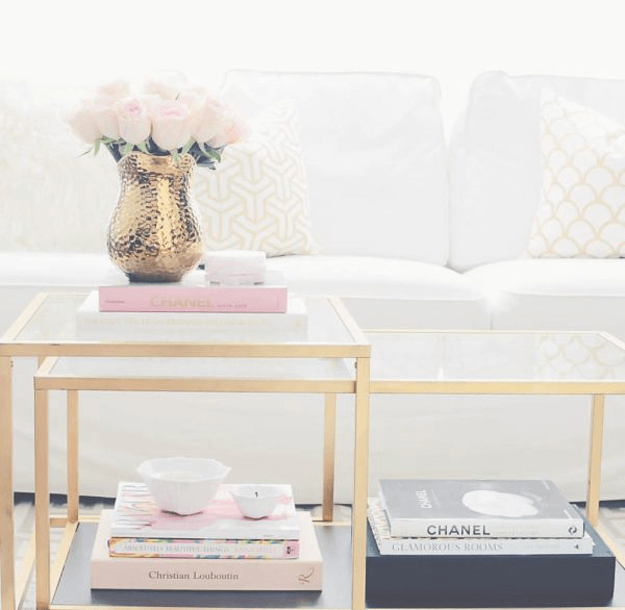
454 40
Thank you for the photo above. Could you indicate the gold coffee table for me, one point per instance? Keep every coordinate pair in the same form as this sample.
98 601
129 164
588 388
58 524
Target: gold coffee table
506 362
47 330
387 362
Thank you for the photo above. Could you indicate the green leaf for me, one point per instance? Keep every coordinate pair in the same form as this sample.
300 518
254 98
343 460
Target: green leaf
176 156
96 147
128 148
210 153
143 147
187 146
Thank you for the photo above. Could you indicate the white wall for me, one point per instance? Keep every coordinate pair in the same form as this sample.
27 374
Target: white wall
452 39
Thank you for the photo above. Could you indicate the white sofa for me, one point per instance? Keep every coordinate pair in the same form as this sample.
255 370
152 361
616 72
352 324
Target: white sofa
393 246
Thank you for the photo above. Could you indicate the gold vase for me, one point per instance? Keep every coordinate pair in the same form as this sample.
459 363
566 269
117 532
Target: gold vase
154 234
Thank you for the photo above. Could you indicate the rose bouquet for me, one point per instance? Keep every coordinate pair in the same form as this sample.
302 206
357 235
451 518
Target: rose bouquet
168 117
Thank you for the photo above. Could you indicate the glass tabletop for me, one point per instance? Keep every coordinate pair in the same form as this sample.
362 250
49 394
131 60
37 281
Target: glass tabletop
495 356
53 319
206 368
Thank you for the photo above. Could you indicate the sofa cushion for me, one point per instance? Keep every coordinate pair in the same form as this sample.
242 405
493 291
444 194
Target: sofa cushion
374 153
380 292
495 174
51 197
53 269
390 293
555 294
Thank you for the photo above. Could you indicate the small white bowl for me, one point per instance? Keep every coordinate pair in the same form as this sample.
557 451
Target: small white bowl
256 501
183 485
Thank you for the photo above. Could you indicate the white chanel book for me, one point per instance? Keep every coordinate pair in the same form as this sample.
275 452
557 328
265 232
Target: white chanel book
389 545
95 325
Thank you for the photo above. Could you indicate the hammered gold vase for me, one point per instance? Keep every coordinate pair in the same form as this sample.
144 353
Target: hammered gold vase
154 234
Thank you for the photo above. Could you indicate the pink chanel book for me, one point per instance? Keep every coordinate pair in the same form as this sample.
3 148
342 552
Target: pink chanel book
194 294
136 515
301 574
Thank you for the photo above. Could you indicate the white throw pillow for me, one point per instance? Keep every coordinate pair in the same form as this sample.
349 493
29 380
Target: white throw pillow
582 208
257 197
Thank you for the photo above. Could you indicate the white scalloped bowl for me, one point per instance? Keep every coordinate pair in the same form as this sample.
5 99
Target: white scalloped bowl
183 485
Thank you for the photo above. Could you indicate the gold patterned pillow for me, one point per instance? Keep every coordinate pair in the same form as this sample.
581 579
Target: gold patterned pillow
257 198
582 208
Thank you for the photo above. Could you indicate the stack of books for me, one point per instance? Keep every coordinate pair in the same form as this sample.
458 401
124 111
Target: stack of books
483 542
192 310
138 546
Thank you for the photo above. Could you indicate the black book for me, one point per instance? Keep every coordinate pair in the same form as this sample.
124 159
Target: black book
490 581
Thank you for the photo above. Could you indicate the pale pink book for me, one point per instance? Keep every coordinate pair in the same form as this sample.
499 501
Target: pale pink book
302 574
193 294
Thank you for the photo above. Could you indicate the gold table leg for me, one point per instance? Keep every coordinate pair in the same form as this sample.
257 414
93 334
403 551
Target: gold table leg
361 478
42 502
329 447
594 462
72 456
7 565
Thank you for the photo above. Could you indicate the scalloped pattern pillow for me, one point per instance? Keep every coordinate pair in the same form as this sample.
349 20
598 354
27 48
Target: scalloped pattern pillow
257 199
582 208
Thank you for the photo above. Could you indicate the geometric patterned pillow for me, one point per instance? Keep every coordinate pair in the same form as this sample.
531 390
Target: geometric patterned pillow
257 197
582 208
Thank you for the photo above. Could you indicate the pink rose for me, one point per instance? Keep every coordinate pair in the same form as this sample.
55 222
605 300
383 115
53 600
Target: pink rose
193 99
134 120
208 120
83 123
106 118
231 130
193 92
167 84
171 124
115 90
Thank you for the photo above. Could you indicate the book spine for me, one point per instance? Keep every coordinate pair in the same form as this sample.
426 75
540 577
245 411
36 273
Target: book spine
252 299
488 581
206 574
487 528
387 545
279 533
203 549
483 546
136 325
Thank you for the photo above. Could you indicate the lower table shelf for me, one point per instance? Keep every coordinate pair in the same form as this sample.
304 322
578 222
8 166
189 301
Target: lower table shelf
74 591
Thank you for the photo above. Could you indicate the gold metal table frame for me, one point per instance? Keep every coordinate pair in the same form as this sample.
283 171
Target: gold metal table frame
597 389
362 387
48 351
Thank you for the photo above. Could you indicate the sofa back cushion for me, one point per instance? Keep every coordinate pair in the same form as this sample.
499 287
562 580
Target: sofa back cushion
52 199
495 160
374 154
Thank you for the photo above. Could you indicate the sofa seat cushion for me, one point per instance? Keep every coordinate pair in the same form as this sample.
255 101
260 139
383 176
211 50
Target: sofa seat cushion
389 293
380 292
52 269
558 294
